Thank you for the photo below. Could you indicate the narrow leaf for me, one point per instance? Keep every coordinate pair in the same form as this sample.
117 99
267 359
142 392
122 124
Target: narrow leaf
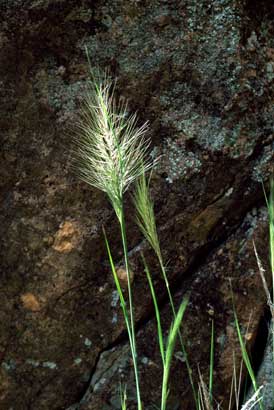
158 317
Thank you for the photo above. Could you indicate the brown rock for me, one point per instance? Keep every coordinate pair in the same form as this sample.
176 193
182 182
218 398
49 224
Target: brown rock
187 77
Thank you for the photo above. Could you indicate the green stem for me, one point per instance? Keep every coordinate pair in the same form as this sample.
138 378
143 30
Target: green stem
131 308
164 388
170 345
163 270
272 336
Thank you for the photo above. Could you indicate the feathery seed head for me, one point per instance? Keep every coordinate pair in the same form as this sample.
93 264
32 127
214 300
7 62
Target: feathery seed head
112 150
145 214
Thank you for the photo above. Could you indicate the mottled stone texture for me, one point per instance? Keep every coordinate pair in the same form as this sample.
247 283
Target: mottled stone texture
202 74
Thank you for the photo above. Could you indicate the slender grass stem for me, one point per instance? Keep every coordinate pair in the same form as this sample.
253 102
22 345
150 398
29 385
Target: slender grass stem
189 371
167 349
244 352
272 335
119 289
157 312
131 307
271 231
211 367
128 321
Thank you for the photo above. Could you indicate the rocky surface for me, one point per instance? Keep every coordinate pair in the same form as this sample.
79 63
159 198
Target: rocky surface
265 376
230 267
202 74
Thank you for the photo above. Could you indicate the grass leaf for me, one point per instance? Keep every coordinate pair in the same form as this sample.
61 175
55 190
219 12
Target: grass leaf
244 352
174 329
157 312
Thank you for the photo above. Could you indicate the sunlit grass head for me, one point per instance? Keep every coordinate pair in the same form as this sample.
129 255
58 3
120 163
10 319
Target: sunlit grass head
111 148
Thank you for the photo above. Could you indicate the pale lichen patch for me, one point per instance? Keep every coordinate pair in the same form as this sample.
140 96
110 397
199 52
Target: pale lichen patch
115 298
78 361
33 363
49 365
87 342
178 162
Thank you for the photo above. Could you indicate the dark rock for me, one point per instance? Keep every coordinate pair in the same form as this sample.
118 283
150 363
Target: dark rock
204 81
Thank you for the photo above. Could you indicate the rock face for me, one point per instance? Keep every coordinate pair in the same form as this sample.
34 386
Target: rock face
265 375
202 74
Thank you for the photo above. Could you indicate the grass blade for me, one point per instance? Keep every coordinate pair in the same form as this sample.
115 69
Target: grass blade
170 349
270 205
204 394
157 312
129 324
244 352
117 284
123 397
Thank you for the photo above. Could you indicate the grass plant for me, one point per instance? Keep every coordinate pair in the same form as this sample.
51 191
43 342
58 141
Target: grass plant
147 224
205 395
166 349
244 353
235 387
257 397
270 206
111 154
270 298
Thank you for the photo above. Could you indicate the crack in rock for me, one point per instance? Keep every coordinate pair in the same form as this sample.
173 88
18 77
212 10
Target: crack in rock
116 357
108 364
